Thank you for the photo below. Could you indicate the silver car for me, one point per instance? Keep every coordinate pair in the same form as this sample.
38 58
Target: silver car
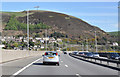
51 57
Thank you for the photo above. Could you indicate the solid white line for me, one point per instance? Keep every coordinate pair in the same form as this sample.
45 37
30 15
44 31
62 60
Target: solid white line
66 65
26 67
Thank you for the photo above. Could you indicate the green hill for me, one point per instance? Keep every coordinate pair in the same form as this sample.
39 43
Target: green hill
114 33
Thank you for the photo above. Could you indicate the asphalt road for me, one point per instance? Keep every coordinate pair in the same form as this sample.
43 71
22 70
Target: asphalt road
68 66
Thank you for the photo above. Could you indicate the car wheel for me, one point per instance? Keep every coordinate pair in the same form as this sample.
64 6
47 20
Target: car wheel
44 63
57 64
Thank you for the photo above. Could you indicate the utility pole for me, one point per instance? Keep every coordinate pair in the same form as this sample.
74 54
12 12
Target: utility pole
28 29
82 47
96 42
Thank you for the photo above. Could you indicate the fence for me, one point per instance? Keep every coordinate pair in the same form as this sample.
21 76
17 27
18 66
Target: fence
114 64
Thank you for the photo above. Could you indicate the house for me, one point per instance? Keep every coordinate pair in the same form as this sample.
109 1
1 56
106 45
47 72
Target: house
52 40
25 40
9 38
38 38
59 40
42 41
20 38
46 38
34 40
2 39
42 47
115 44
30 38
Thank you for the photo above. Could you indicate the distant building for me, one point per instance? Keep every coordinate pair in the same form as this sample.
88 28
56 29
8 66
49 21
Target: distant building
59 40
2 39
115 44
46 38
21 38
25 40
38 38
33 40
42 47
9 38
42 41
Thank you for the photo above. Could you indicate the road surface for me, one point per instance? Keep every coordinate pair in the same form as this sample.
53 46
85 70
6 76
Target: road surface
68 66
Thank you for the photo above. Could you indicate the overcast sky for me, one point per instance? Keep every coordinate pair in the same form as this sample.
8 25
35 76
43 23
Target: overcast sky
101 14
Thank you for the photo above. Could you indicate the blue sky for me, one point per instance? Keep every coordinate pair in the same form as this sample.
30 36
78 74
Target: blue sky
101 14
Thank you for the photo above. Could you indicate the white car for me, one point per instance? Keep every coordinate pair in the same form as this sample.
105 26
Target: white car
51 57
96 55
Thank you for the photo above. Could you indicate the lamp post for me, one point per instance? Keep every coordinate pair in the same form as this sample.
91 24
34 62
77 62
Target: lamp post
28 29
37 7
96 42
46 38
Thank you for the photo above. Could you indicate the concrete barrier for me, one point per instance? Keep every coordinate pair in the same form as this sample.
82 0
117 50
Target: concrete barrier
9 55
1 59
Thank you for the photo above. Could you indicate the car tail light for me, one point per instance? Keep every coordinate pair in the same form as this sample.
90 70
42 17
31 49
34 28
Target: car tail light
45 53
56 54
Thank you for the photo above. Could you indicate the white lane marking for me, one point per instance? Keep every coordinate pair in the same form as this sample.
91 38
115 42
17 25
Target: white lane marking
61 61
26 67
77 74
66 65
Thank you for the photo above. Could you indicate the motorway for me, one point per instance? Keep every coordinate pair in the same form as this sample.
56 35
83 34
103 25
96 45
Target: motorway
68 66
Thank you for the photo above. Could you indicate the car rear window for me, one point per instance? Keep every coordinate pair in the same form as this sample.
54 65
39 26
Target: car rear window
50 53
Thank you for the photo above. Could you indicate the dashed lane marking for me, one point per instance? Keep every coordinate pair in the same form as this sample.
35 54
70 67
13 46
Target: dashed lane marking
78 75
66 65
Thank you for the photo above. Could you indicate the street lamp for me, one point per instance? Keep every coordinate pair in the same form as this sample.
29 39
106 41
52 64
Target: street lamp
37 7
96 42
28 29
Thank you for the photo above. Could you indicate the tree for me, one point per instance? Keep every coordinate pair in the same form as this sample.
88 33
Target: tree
15 44
12 23
31 43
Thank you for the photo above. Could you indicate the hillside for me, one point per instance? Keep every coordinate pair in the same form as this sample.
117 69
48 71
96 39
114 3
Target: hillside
73 27
114 33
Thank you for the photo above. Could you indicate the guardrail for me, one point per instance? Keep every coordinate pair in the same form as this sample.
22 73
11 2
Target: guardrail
114 64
